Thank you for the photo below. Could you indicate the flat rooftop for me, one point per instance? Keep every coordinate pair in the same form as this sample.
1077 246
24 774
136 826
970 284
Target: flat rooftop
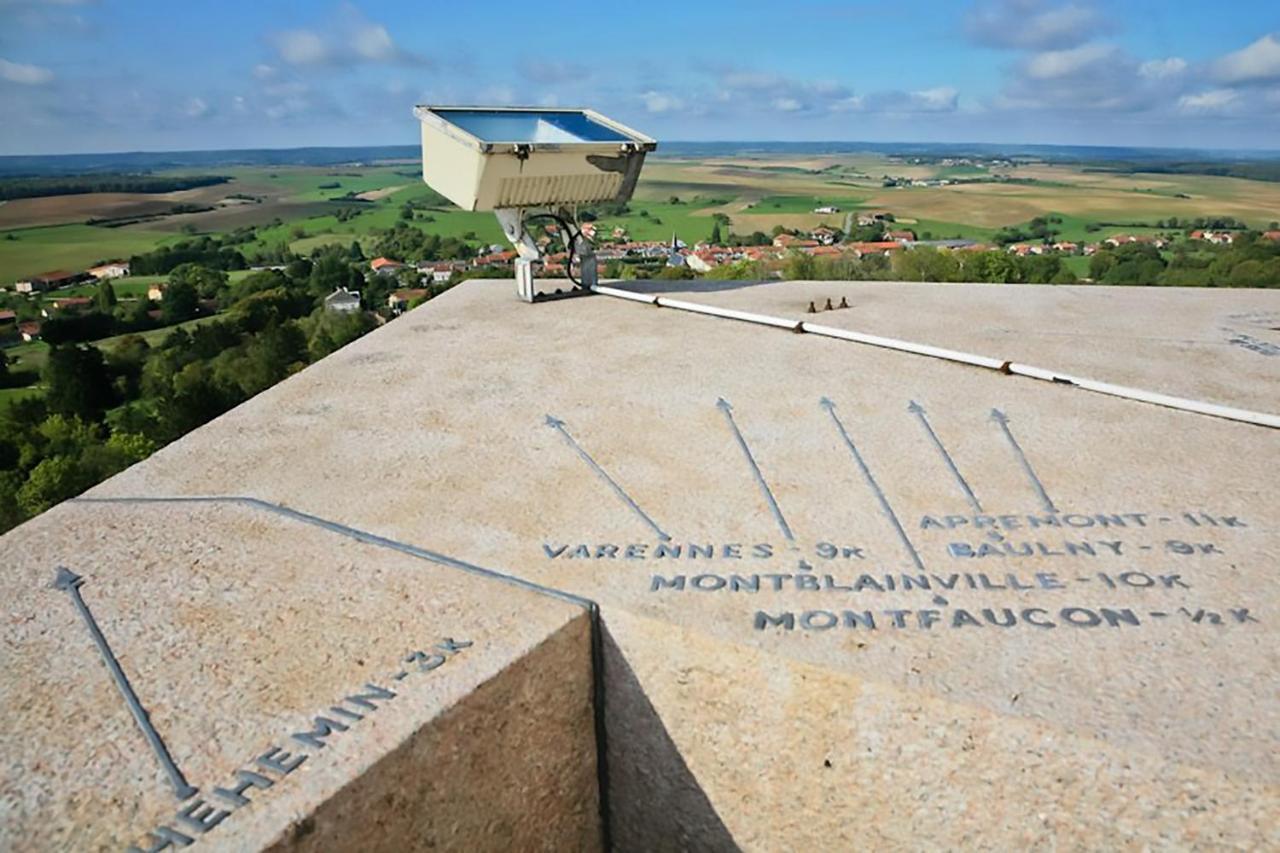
723 584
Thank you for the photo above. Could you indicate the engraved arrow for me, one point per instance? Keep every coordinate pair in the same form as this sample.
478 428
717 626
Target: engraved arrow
723 405
827 404
918 410
558 425
1003 420
70 582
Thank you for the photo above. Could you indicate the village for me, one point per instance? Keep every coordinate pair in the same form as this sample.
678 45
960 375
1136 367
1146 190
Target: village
415 281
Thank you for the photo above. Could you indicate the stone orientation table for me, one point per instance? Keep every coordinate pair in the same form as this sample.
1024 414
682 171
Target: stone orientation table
593 574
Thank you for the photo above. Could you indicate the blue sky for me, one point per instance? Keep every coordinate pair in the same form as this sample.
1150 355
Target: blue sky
110 75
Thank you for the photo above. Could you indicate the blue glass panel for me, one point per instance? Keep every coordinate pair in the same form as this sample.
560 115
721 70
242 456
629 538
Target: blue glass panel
532 126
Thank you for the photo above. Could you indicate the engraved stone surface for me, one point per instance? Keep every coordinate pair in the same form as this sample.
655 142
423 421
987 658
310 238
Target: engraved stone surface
846 595
309 690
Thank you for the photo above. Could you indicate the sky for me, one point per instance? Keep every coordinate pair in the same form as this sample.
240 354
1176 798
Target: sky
136 75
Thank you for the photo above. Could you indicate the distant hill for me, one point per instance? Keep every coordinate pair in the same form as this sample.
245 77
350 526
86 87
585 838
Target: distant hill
1259 165
134 162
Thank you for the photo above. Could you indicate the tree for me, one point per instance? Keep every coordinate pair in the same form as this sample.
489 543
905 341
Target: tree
79 383
328 331
330 272
209 283
180 302
104 298
715 234
925 263
799 266
269 356
52 481
354 252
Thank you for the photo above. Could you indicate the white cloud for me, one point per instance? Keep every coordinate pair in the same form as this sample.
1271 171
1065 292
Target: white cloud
348 40
1032 24
302 47
940 99
374 44
1063 63
661 102
1158 69
1212 101
1094 78
195 108
27 75
760 89
263 71
1256 62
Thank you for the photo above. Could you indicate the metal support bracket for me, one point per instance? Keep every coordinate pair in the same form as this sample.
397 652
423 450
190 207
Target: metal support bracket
513 225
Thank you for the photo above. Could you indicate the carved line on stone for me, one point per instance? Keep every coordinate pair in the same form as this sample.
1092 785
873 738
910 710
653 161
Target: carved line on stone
558 425
1003 420
593 609
918 410
358 535
830 406
723 405
70 582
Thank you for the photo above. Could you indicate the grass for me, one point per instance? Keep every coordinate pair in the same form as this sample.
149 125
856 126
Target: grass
942 230
70 247
801 204
961 172
126 288
12 395
303 184
757 193
1075 228
153 336
130 287
691 222
28 356
1078 264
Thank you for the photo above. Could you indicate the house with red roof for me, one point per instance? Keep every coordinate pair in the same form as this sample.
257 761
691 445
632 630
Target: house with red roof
385 266
399 300
494 259
883 247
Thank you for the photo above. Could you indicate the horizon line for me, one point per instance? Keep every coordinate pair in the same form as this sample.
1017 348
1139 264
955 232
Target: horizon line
1267 152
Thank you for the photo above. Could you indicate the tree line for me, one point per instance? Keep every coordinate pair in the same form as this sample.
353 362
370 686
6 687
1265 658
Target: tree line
34 187
105 409
1249 262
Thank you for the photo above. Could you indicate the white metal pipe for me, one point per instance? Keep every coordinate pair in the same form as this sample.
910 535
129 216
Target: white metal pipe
625 294
904 346
1197 406
1041 373
730 314
1006 367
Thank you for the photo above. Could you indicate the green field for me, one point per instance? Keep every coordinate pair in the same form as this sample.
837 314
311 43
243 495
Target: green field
28 251
296 208
30 356
1078 264
803 204
941 230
